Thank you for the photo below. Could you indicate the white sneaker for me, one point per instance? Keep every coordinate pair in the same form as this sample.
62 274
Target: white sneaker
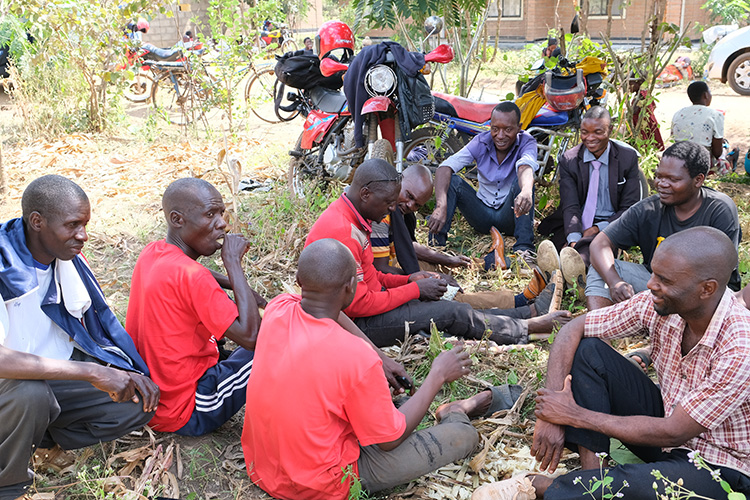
518 487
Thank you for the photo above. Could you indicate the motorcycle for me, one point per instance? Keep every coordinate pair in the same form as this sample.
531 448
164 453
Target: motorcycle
326 148
568 93
148 67
675 72
278 36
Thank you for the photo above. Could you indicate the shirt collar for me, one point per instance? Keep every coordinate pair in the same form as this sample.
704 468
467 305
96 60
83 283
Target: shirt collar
588 156
490 144
726 304
362 221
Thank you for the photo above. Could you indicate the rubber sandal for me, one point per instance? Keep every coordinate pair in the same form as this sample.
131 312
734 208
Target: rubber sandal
518 487
643 354
503 398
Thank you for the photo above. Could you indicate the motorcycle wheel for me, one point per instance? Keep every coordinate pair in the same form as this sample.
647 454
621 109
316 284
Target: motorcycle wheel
301 170
643 184
383 150
183 104
259 94
426 149
139 88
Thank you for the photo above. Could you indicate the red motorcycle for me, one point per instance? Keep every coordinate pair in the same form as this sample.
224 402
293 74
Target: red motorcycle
329 146
149 66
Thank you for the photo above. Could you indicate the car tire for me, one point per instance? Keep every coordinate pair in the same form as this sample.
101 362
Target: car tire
738 75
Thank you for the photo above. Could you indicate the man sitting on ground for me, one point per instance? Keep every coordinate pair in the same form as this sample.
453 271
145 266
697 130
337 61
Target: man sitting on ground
385 302
598 182
336 421
705 126
682 202
506 159
178 311
701 339
69 373
394 238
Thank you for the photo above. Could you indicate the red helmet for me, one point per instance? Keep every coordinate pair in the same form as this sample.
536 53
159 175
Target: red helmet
142 25
334 35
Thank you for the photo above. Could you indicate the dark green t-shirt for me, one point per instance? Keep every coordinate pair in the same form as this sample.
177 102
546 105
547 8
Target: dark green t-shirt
648 222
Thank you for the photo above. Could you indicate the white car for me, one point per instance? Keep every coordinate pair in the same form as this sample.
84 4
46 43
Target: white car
730 61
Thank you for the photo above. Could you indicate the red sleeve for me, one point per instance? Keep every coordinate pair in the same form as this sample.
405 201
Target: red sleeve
393 280
212 304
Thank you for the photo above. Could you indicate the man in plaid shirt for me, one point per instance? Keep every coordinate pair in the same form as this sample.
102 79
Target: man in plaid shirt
701 349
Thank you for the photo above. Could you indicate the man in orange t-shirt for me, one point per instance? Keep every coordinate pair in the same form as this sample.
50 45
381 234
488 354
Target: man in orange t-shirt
336 419
178 311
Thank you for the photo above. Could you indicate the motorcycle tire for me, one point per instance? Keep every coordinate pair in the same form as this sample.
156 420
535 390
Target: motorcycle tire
645 188
431 154
139 88
383 150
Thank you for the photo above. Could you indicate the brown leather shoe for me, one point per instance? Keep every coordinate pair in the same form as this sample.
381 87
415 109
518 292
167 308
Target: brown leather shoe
573 268
535 285
498 247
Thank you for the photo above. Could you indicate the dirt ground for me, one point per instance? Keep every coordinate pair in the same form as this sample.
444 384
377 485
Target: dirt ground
125 178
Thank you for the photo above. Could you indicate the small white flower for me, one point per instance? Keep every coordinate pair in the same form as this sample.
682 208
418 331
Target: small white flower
625 484
619 495
601 455
716 475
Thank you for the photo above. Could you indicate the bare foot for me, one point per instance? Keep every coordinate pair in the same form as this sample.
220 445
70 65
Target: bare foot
545 324
475 406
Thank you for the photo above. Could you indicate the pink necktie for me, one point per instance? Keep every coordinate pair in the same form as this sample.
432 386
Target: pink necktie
589 208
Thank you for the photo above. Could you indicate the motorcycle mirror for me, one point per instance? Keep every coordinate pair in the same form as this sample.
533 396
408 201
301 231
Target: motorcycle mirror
433 24
574 25
443 53
330 67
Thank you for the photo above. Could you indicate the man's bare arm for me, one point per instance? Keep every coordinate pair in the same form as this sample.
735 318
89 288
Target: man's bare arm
433 256
382 265
223 282
602 253
119 384
244 330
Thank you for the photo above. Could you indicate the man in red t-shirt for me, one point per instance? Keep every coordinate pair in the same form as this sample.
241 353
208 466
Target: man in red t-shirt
178 311
385 302
336 419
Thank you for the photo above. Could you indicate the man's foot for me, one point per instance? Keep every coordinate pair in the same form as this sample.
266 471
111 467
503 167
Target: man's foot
547 259
528 256
485 404
640 358
545 323
572 266
733 156
518 487
545 301
536 285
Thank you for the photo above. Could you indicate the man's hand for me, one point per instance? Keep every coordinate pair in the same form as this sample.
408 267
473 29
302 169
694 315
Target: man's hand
592 231
437 219
549 441
458 261
420 275
431 288
557 407
452 365
451 281
621 291
523 203
392 370
234 248
121 386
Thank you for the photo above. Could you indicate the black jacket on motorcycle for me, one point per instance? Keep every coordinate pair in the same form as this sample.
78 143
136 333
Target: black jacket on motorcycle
354 87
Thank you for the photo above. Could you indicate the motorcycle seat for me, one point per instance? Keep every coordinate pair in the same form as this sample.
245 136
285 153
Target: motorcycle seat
326 100
548 117
172 56
467 109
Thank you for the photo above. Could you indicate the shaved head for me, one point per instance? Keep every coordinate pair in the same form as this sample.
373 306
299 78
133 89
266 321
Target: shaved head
325 266
710 251
183 194
375 174
50 195
418 173
416 188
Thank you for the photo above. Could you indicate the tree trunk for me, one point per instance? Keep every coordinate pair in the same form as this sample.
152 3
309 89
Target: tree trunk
609 18
584 17
499 5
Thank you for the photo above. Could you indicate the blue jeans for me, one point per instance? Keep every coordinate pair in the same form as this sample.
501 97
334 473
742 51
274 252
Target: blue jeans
481 217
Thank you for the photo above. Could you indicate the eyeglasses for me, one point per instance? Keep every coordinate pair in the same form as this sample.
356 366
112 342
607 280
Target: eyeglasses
398 178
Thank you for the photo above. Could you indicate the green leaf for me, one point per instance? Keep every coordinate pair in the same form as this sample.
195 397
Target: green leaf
725 486
512 377
736 496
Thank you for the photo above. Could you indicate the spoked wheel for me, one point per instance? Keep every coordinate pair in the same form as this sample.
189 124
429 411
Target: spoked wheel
259 94
139 88
301 175
182 100
428 148
289 45
643 185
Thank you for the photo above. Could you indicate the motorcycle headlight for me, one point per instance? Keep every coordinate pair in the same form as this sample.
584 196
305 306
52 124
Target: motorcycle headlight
380 80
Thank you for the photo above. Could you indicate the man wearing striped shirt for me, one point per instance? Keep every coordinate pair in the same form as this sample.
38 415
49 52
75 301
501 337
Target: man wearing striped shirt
701 349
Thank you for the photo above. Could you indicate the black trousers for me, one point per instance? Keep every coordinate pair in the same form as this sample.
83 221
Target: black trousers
71 413
605 381
507 326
